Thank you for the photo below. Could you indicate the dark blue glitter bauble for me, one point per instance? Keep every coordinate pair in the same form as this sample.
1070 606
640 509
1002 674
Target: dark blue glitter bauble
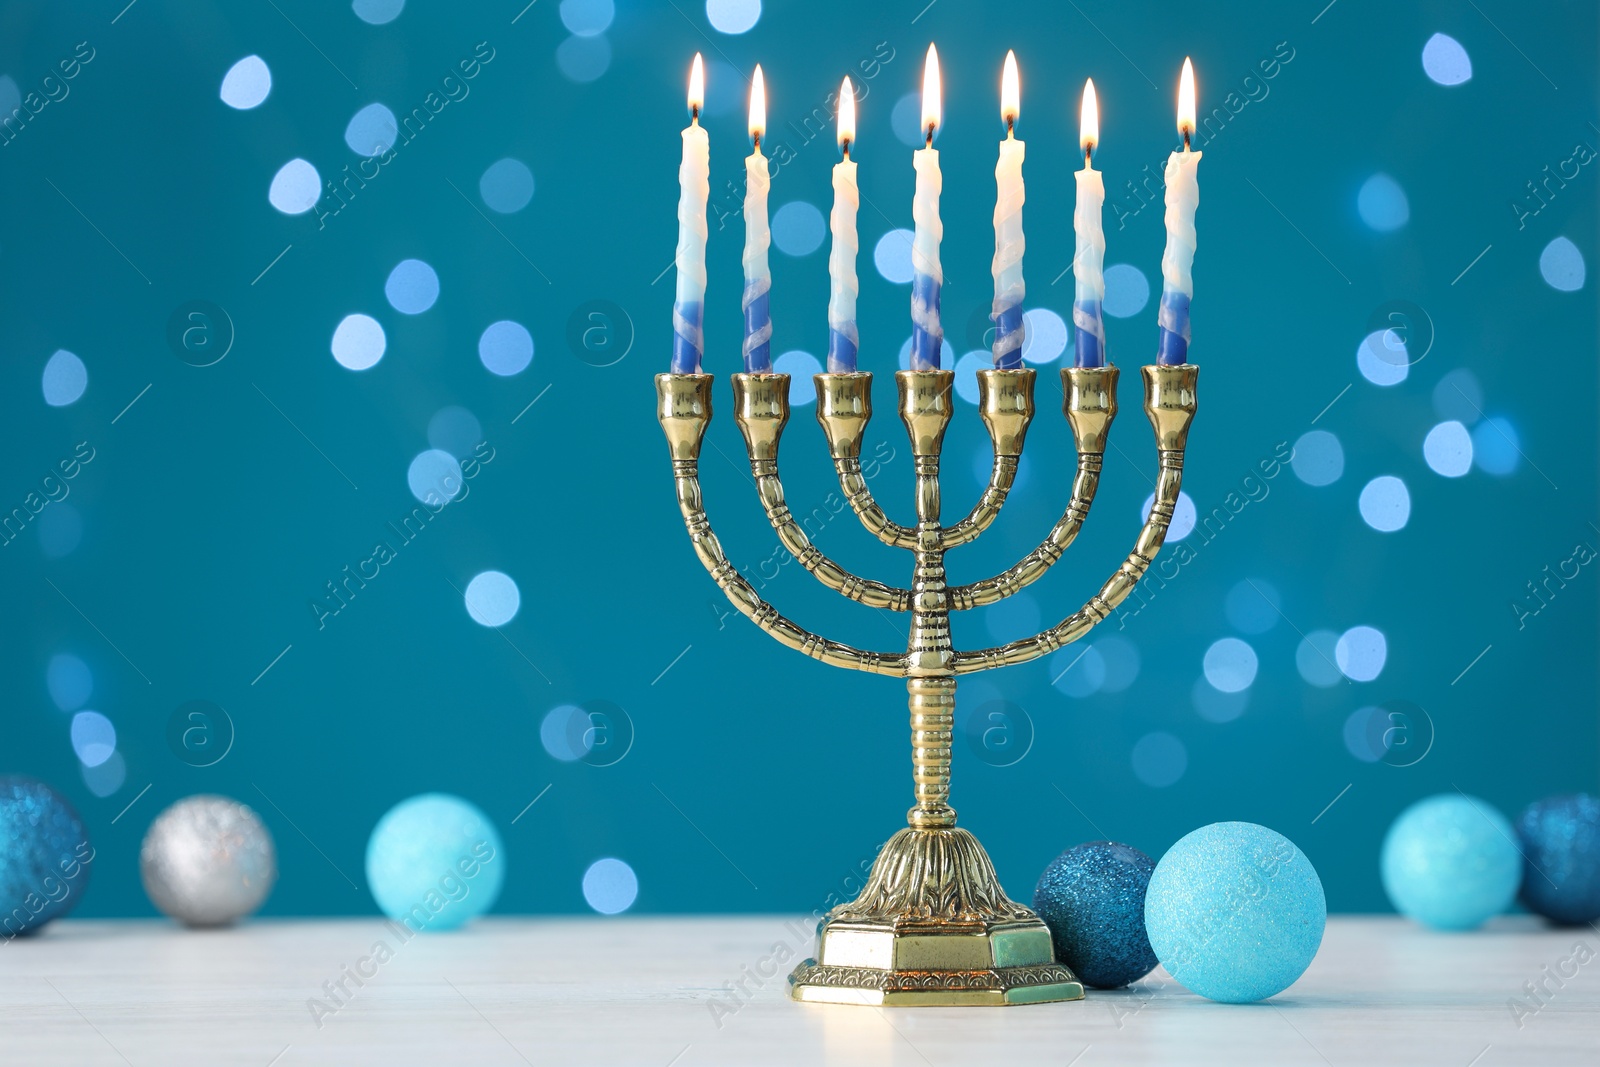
44 856
1092 898
1561 865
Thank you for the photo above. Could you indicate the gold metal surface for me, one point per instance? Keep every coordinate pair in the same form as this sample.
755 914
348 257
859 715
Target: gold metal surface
844 407
761 408
1005 403
933 925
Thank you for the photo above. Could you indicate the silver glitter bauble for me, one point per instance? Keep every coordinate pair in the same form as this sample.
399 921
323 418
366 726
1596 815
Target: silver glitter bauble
208 861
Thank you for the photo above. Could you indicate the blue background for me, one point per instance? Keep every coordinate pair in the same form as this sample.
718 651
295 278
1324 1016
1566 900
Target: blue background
189 551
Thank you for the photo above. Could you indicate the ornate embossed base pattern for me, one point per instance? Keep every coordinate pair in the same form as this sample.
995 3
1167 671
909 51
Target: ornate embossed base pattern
933 875
933 926
1001 985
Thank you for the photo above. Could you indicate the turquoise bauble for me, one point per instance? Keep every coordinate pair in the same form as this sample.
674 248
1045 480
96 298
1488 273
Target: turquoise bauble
1235 912
1449 862
434 862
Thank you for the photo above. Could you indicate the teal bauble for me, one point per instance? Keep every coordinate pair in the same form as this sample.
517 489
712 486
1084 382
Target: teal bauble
44 856
434 862
1561 858
1235 912
1449 862
1092 899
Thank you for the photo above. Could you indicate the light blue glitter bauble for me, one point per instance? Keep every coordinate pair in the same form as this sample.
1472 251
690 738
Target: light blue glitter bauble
434 862
1449 862
1561 871
44 856
1235 912
1092 898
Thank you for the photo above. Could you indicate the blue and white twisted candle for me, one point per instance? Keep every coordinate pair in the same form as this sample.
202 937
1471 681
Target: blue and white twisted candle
688 306
757 271
1177 261
927 334
1009 244
843 340
1088 271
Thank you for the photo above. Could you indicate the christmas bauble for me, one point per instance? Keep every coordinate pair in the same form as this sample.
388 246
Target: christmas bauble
1561 858
208 861
1449 862
435 861
44 856
1235 912
1092 898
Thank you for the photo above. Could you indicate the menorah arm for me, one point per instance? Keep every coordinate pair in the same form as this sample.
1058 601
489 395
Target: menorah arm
1170 403
684 407
844 406
1005 402
761 408
1090 404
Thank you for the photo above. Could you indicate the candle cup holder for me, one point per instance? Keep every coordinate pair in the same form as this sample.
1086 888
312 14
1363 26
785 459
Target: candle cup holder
933 925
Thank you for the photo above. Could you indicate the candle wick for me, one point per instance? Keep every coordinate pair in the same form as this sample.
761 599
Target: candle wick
930 135
845 144
1186 138
694 114
1088 157
757 137
1011 122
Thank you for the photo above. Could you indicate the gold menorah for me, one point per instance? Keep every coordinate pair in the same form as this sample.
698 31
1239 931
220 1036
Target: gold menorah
932 925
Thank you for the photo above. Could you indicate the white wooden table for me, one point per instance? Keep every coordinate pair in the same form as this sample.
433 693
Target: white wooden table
655 992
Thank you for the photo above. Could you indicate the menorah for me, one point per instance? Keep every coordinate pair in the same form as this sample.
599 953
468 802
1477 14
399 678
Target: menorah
932 925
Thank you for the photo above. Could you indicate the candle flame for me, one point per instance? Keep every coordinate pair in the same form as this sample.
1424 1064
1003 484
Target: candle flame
758 106
1186 102
847 115
1010 95
1089 119
931 110
697 86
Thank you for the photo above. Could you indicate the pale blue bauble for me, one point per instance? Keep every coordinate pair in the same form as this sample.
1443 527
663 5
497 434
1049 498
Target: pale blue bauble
1235 912
1450 862
435 861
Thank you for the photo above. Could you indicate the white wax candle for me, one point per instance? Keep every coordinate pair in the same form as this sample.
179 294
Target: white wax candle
1088 269
757 238
1006 312
1088 261
843 340
1009 288
1177 261
925 215
757 271
1182 198
694 188
927 335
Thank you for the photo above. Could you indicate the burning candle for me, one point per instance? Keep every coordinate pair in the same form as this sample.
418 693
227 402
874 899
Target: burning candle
927 335
843 340
1088 262
1008 241
1177 262
757 238
694 187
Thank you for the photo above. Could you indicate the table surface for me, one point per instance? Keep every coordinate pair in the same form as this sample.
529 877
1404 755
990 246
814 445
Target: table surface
656 992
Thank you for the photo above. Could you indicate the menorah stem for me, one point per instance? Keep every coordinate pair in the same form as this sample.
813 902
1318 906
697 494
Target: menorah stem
925 408
933 717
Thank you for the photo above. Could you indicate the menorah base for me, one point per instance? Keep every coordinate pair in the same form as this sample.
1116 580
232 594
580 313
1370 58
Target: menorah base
933 927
